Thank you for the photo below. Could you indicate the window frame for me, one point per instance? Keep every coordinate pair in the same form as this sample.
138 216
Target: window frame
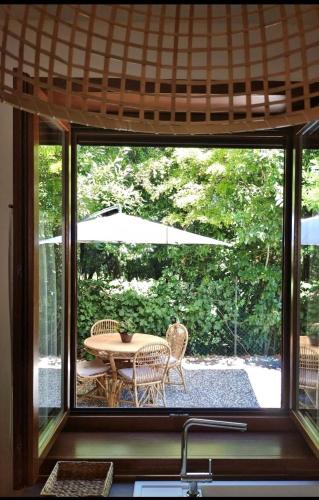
303 423
29 450
165 418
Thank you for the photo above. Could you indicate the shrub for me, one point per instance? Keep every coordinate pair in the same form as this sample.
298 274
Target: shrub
207 310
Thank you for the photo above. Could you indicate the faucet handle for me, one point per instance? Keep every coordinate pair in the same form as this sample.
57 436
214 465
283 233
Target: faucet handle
210 473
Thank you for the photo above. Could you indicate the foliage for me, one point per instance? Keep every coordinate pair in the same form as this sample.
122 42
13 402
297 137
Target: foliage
309 286
235 195
50 190
207 311
127 326
51 315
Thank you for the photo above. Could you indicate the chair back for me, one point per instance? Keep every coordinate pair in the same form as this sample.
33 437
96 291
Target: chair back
150 363
105 326
308 368
177 338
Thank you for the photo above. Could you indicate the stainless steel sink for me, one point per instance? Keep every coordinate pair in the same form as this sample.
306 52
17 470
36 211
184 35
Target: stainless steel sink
160 489
234 489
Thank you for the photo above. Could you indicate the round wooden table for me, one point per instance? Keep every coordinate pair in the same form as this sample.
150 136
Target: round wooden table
110 347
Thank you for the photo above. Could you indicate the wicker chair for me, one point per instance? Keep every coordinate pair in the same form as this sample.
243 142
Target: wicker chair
93 371
309 373
177 338
105 326
146 378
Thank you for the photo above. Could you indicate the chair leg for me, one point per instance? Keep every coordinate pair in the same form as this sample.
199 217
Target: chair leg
152 395
108 385
181 372
99 391
100 387
163 393
136 397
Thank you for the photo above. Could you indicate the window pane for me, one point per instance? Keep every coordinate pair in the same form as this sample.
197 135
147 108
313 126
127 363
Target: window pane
308 391
133 272
51 276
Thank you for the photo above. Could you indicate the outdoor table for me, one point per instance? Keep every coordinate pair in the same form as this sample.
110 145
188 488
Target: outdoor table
110 347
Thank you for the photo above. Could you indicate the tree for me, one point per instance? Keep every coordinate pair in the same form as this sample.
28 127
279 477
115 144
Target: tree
229 194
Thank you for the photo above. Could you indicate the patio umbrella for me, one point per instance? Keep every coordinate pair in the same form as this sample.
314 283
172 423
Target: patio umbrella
123 228
310 231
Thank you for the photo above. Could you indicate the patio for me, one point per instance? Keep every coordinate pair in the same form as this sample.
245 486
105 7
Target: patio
223 382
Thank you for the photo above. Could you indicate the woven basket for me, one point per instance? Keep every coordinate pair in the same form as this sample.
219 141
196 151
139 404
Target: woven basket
79 479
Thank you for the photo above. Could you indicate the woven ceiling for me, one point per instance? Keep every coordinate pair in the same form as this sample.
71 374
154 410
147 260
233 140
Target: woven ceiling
180 69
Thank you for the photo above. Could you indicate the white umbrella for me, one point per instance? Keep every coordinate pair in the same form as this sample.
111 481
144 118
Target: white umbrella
123 228
310 231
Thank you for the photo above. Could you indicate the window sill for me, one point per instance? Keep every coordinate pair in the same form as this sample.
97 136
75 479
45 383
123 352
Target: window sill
154 455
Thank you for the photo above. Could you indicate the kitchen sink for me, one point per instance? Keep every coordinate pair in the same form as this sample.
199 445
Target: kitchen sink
228 489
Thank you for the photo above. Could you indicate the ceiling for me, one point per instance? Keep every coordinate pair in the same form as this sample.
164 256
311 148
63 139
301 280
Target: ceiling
163 67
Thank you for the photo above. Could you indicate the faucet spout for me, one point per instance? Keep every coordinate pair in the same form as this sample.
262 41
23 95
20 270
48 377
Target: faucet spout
202 422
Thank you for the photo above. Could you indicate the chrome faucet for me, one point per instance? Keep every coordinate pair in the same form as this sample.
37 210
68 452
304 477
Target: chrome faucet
194 477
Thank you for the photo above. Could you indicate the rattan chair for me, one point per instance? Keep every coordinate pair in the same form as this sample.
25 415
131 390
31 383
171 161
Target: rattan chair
145 380
177 338
105 326
309 373
96 372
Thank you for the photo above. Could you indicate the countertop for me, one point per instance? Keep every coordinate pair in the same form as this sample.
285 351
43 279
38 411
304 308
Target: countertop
117 490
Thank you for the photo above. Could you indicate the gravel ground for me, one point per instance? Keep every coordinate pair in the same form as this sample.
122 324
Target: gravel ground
49 388
224 382
213 388
212 382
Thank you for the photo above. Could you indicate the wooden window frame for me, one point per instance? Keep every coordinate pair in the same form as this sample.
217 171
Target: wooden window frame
27 454
136 420
164 419
307 429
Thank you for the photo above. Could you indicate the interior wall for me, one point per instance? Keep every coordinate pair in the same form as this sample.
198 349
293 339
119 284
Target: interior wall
6 195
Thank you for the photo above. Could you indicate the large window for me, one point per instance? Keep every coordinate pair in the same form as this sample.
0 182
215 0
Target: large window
228 296
233 298
308 363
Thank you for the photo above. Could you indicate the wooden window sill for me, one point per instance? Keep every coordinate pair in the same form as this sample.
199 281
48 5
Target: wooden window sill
154 455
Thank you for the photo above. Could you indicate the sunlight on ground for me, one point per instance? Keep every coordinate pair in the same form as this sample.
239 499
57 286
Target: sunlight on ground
264 374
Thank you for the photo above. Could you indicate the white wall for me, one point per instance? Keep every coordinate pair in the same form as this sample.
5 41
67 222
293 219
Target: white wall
6 163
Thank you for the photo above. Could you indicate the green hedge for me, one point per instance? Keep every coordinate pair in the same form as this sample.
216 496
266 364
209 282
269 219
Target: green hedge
207 310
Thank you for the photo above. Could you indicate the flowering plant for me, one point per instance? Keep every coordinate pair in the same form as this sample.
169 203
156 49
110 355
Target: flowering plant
127 326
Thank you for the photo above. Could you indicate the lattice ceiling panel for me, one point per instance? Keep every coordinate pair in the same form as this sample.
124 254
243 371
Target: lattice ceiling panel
180 69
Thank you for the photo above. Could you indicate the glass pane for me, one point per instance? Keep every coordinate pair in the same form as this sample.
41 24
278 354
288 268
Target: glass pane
51 276
145 277
308 391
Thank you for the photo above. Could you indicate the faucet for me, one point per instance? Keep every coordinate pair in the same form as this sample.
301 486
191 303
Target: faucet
194 477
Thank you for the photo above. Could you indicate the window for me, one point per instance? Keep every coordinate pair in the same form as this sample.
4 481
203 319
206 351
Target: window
241 321
308 318
41 292
51 272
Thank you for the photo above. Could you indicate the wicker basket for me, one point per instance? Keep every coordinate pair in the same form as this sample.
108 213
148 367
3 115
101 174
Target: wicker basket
79 479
